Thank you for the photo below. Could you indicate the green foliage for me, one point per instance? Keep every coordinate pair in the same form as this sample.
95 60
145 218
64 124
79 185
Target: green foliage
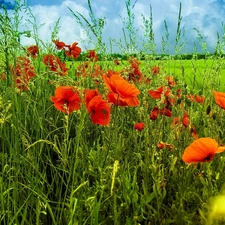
63 169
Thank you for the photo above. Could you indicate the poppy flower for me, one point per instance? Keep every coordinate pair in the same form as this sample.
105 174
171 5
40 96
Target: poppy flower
55 65
156 94
59 44
33 51
116 62
23 68
121 93
219 98
155 70
199 99
73 50
162 145
134 74
99 111
201 150
166 112
134 62
23 71
154 113
66 99
196 98
89 94
139 126
171 81
91 54
185 119
175 121
194 132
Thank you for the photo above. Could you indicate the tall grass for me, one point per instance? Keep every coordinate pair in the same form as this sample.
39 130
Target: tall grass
63 169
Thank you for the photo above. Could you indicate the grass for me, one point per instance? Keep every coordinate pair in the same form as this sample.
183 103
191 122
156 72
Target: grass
58 168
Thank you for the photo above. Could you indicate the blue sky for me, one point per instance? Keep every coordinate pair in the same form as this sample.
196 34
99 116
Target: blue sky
207 16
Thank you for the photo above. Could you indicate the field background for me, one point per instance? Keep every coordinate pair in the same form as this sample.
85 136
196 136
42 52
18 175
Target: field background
62 169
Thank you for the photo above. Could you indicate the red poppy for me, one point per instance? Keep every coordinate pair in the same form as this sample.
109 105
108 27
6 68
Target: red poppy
99 111
178 92
82 69
55 65
219 98
154 113
24 68
134 62
23 71
156 94
185 119
91 54
22 83
201 150
171 81
139 126
89 94
116 62
199 99
166 112
59 44
134 74
196 98
33 51
66 99
162 145
73 50
175 122
194 132
155 70
122 93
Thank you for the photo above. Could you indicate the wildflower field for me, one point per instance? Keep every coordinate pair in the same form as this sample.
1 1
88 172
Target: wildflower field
88 139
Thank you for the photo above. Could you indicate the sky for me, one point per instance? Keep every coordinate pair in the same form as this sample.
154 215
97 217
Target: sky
206 16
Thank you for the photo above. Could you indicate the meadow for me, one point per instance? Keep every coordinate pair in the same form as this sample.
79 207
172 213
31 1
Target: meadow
134 142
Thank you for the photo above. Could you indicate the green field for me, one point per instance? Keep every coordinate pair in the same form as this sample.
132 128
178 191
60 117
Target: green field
93 142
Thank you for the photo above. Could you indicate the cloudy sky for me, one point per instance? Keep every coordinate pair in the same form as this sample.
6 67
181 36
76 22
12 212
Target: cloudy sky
206 16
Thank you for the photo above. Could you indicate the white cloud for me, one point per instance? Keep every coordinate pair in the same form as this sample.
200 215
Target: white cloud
205 15
46 16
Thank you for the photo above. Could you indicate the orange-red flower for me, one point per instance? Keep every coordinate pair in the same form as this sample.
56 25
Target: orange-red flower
196 98
162 145
23 68
175 121
73 50
185 119
155 70
201 150
55 65
171 81
219 98
66 99
23 71
33 51
156 94
99 110
139 126
91 54
59 44
116 62
89 94
194 132
154 113
166 112
121 93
